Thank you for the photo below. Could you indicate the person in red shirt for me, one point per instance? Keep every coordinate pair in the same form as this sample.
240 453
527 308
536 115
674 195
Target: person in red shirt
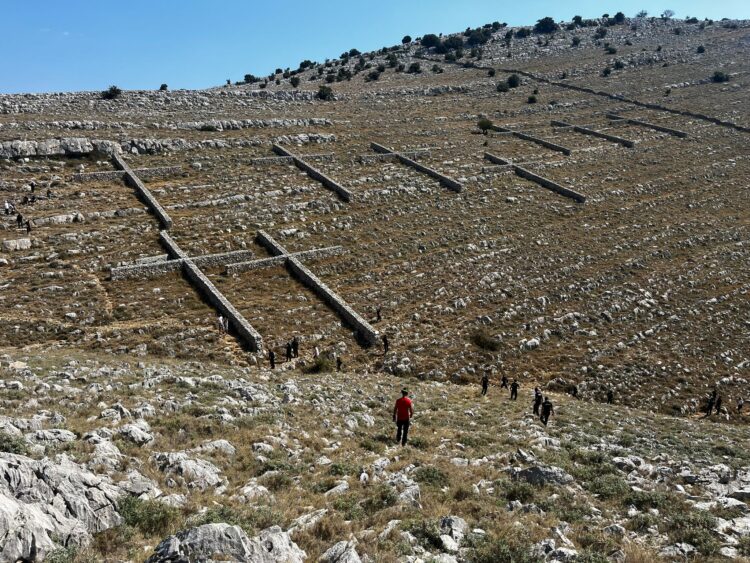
402 413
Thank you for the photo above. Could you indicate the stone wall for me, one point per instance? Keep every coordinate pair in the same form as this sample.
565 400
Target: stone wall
449 183
347 314
537 140
593 133
146 173
654 126
315 174
246 333
236 268
143 192
145 271
544 182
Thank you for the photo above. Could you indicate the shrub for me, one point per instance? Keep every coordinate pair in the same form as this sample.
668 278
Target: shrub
406 39
437 69
61 555
453 42
251 79
619 18
576 41
499 550
600 33
427 532
294 81
484 340
720 76
514 81
13 444
325 92
523 32
430 475
484 124
250 519
677 31
415 68
400 67
503 87
111 93
322 364
373 75
163 88
609 486
700 49
521 491
695 528
619 65
607 71
383 497
546 25
151 517
611 50
531 99
491 72
430 40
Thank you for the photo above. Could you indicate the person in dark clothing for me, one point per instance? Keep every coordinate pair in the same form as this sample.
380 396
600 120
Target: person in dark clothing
711 403
295 346
28 227
610 396
402 413
19 220
378 315
547 410
485 383
504 382
339 363
289 351
537 400
514 390
574 391
33 186
385 344
272 358
718 405
740 404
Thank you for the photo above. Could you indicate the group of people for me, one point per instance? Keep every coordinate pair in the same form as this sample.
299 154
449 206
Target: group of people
542 406
715 401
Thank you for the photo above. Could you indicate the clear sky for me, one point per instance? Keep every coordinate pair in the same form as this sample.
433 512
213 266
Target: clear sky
64 45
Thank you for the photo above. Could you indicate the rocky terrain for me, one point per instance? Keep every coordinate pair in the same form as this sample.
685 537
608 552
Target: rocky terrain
134 429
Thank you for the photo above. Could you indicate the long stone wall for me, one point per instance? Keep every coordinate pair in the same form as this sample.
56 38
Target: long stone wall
145 271
449 183
544 182
537 140
238 323
363 329
675 132
261 263
154 266
107 175
593 133
143 192
315 174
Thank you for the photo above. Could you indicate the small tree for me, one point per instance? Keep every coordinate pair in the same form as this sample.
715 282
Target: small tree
484 124
430 40
491 72
406 39
578 20
437 69
294 81
641 14
619 18
667 14
503 87
163 88
514 81
111 93
546 25
720 76
415 68
576 41
607 71
700 49
325 93
531 99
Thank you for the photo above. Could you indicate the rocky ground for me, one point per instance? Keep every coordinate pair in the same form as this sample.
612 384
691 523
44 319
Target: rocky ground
130 417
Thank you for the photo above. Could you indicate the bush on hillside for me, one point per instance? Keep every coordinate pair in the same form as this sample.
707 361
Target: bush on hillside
111 93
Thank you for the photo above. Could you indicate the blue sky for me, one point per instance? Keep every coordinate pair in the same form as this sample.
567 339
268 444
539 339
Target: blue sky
64 45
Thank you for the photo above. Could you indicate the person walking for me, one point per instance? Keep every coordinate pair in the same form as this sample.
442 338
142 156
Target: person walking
220 323
504 382
28 226
378 314
718 405
740 404
514 390
485 382
272 359
537 400
610 396
289 351
547 411
295 347
402 413
339 363
386 344
711 403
